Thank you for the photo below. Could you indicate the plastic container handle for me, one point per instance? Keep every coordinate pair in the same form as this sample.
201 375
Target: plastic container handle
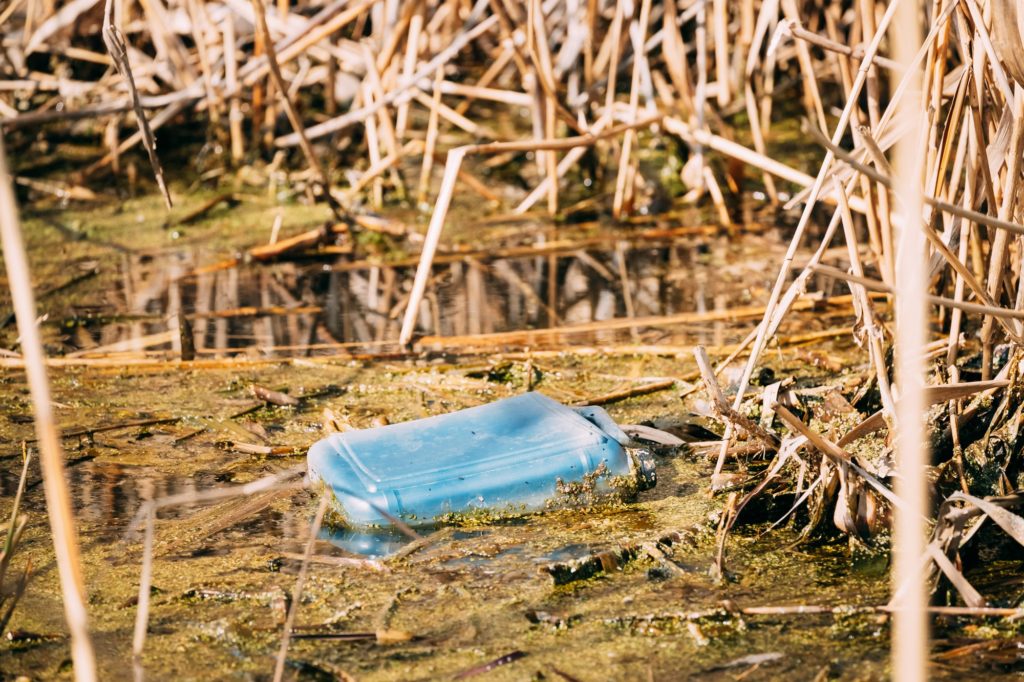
599 418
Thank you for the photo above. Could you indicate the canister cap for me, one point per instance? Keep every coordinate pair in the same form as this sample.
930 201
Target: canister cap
642 462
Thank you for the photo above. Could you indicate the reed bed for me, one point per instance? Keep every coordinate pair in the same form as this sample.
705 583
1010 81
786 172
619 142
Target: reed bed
391 102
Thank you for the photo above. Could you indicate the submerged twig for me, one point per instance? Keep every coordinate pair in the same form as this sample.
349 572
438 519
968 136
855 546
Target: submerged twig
300 583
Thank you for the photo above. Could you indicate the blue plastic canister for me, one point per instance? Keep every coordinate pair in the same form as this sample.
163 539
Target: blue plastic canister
509 455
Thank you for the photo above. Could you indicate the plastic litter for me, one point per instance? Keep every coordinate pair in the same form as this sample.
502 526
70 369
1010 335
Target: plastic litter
515 455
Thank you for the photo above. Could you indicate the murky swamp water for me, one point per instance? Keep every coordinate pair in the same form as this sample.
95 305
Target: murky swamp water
145 429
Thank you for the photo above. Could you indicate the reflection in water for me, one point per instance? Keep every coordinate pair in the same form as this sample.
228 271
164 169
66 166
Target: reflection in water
107 495
374 543
308 307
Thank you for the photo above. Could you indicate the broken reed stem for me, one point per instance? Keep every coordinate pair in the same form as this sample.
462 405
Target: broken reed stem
51 456
724 409
835 453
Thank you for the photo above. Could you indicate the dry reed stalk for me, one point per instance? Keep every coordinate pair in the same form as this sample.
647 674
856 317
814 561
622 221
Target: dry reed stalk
324 24
289 108
197 17
431 67
805 219
957 263
700 92
377 169
624 190
553 335
509 97
412 48
910 630
720 20
1001 242
675 58
871 328
431 144
115 42
10 10
58 498
451 115
165 115
12 594
613 39
430 243
721 404
768 11
147 513
373 149
493 73
955 304
982 35
953 209
235 116
702 138
837 454
855 52
386 127
537 42
568 161
716 197
812 94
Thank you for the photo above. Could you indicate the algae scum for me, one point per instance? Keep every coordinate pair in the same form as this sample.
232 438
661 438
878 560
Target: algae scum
600 590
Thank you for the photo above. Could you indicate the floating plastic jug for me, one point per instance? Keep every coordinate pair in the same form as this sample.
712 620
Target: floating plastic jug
515 455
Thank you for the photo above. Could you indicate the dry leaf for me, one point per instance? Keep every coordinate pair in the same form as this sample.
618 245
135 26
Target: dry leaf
1008 36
